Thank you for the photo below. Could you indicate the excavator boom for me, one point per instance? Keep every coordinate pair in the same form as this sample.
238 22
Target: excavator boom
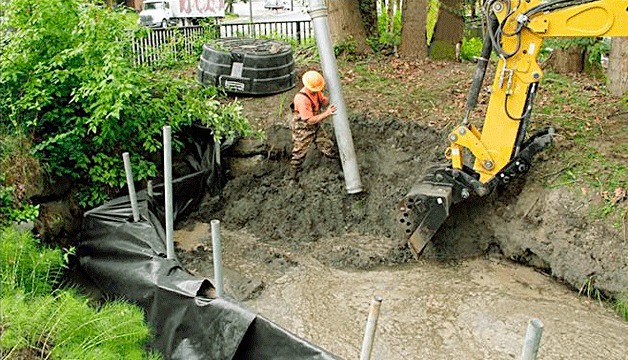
503 149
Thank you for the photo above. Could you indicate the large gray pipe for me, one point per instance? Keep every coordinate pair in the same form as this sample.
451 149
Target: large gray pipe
318 12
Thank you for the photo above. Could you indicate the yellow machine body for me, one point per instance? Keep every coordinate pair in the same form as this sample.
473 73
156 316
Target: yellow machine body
500 147
493 147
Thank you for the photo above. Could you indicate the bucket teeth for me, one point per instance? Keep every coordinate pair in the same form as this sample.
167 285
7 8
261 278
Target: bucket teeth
422 212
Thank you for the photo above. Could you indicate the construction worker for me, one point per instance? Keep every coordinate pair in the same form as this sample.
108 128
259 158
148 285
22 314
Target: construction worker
307 115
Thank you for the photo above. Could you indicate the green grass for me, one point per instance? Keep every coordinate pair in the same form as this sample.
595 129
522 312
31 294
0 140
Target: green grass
39 321
594 142
621 306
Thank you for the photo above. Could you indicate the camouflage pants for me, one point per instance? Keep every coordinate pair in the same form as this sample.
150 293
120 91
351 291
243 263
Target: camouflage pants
302 136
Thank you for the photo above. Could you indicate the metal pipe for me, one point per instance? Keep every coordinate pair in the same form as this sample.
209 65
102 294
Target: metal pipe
532 340
217 251
251 26
131 185
371 326
318 13
168 192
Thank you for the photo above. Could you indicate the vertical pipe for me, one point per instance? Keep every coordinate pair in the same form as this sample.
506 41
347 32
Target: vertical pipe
318 13
251 26
371 326
217 251
131 185
168 192
532 340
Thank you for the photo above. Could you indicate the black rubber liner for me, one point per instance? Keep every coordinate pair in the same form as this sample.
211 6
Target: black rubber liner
128 260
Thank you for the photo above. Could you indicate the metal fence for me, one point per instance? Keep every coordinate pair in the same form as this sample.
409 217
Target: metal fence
172 44
300 31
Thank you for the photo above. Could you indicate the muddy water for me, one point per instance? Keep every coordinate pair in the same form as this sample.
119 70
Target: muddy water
467 309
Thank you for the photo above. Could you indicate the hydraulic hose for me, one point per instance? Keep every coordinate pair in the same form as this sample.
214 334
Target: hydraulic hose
480 71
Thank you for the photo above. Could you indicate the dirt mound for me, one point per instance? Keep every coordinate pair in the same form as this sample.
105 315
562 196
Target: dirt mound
391 156
527 223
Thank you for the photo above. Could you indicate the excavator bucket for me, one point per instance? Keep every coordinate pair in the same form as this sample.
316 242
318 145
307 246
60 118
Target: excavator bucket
422 212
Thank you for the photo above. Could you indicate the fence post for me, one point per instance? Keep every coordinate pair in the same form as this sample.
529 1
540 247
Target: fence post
129 180
371 326
299 32
532 340
217 257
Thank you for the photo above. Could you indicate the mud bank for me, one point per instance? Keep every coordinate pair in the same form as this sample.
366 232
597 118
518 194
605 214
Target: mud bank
528 223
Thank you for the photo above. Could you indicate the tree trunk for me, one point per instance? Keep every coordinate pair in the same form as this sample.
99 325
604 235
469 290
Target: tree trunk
391 15
345 22
413 32
368 10
566 61
448 31
618 66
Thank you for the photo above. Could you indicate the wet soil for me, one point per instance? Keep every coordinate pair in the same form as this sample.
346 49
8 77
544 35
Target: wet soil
475 308
310 256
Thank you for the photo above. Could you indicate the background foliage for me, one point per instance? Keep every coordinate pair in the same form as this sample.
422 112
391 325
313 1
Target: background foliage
70 83
39 321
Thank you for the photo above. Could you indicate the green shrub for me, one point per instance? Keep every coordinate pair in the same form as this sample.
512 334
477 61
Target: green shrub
13 210
432 18
70 83
387 37
471 47
58 324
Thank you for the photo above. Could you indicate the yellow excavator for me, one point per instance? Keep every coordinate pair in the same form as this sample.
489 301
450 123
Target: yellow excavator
502 149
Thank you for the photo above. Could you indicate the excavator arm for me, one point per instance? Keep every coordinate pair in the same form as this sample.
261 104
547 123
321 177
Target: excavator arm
503 149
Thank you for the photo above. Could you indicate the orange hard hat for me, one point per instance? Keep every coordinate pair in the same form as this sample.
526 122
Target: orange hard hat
313 81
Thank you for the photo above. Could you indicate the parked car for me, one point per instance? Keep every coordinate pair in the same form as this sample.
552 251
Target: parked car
276 4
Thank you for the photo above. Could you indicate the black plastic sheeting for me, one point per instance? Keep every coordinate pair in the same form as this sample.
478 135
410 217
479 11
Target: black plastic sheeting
128 260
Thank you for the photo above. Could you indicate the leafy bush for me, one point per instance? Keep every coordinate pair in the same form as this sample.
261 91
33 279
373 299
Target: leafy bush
471 47
18 173
13 210
70 82
432 18
387 37
44 323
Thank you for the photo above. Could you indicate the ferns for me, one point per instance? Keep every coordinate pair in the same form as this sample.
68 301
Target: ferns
59 324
